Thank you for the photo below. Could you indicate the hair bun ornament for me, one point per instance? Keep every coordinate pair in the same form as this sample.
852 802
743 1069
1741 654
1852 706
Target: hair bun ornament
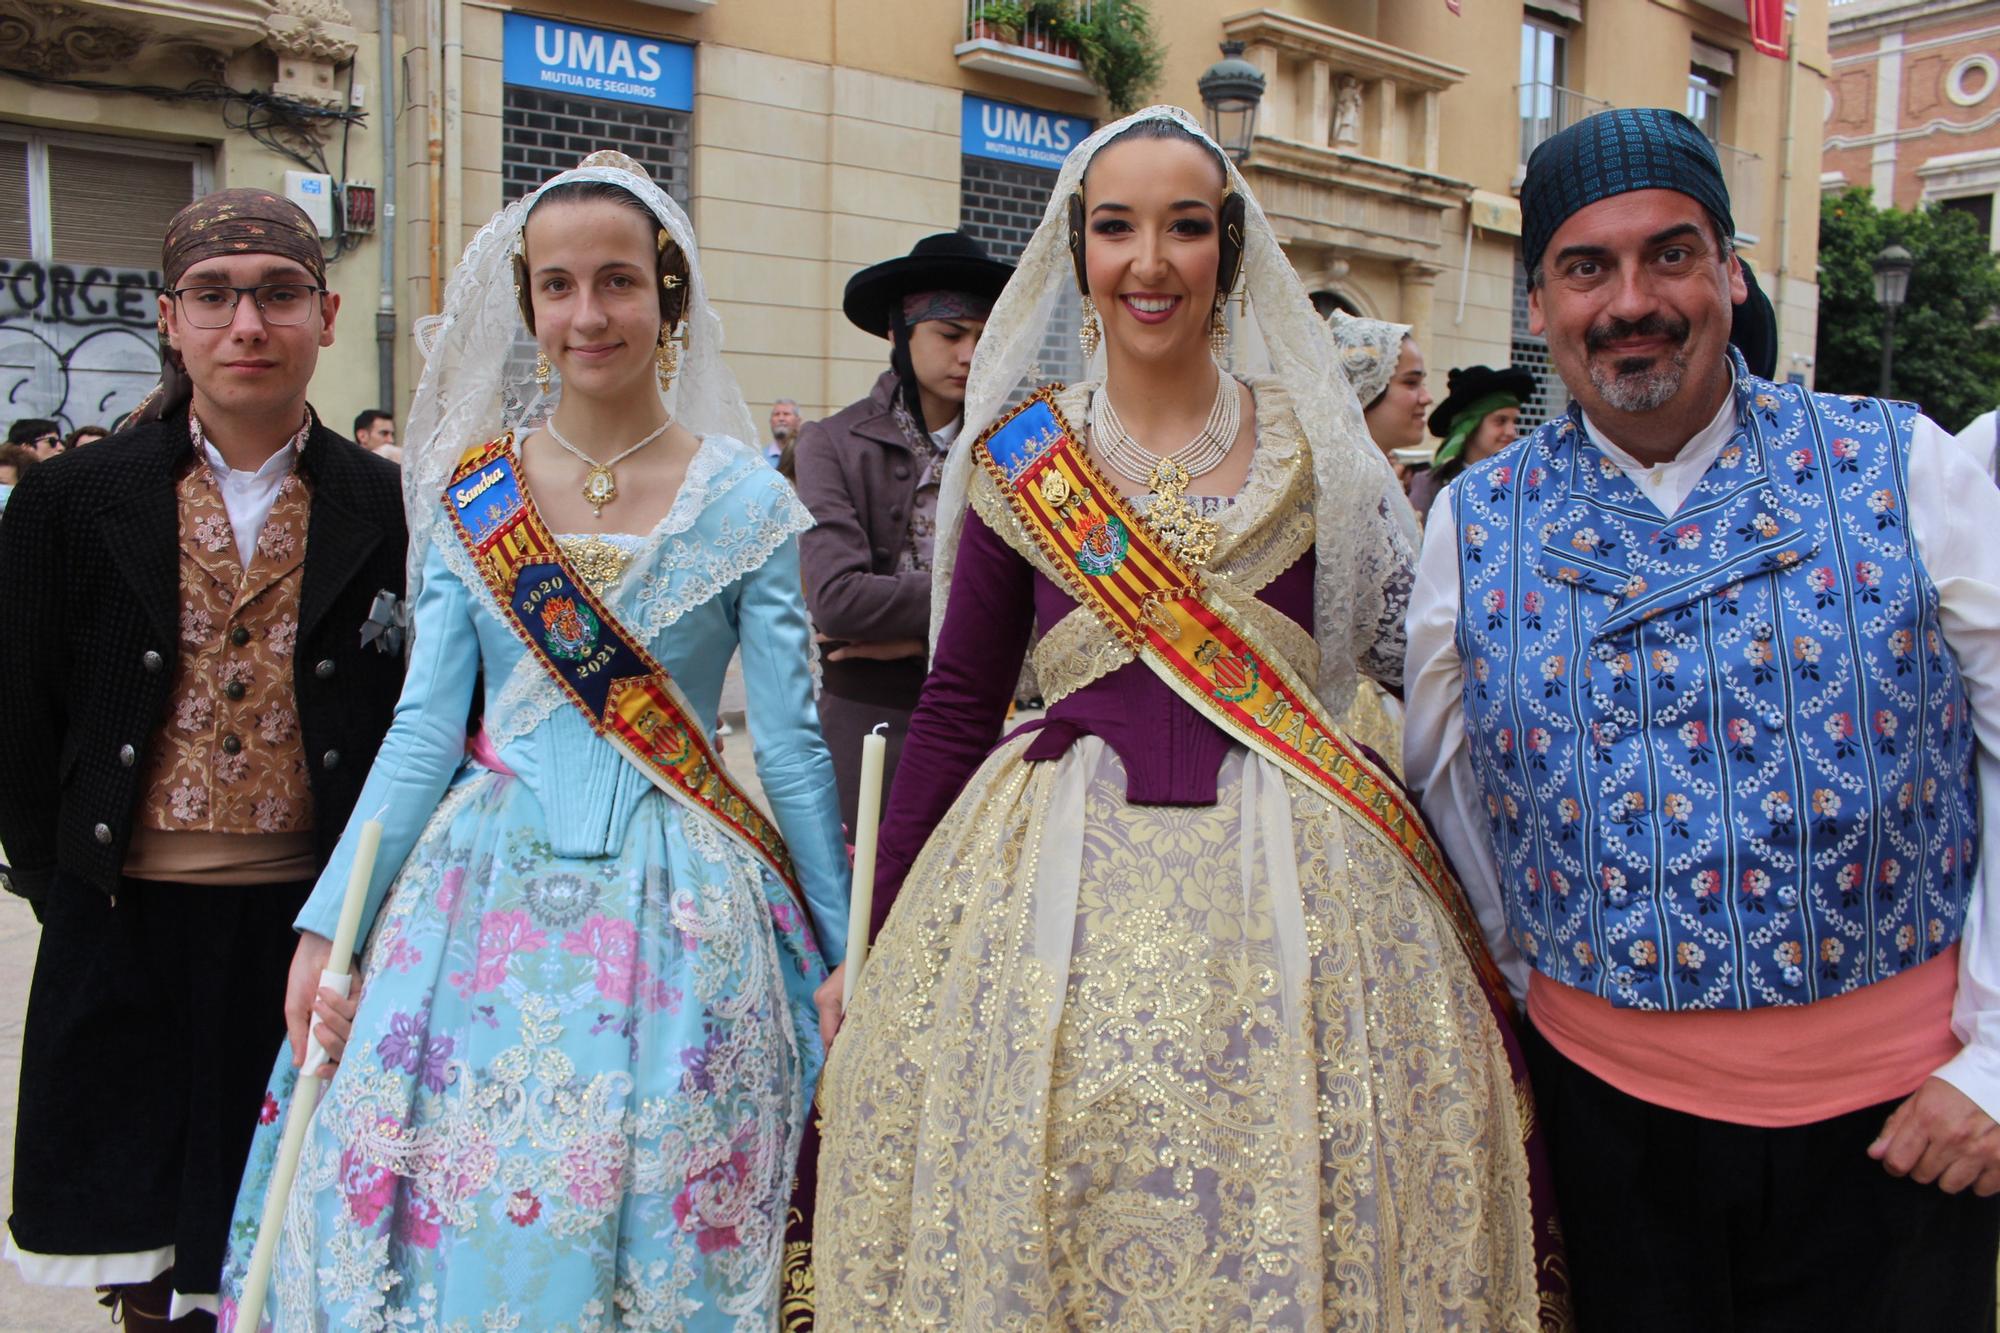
616 161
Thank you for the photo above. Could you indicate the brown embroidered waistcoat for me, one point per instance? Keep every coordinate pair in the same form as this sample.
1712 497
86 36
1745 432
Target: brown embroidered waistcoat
228 757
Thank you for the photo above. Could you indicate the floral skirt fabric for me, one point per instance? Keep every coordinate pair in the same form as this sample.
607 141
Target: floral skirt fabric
1158 1067
574 1096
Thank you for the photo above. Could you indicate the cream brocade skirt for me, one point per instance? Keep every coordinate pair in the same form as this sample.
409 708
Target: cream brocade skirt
1157 1067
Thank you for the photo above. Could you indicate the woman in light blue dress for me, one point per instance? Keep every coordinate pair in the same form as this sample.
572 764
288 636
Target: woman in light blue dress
586 1042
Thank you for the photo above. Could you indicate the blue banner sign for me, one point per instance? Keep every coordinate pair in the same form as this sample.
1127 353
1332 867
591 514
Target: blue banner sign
596 62
1019 133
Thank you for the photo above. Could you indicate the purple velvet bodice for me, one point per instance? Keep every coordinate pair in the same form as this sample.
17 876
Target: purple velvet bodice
1172 754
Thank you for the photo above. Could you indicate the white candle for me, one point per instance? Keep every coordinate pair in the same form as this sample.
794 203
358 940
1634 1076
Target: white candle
357 894
861 900
305 1095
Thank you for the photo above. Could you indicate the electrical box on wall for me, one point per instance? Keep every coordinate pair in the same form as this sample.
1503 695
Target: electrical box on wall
312 191
357 200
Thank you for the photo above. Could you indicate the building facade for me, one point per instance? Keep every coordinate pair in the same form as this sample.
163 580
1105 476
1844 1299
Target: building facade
1913 108
808 138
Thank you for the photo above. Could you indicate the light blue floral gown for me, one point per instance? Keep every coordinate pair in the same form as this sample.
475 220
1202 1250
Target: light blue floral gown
586 1044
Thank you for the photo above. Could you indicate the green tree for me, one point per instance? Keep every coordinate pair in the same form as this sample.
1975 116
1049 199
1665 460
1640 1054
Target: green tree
1947 336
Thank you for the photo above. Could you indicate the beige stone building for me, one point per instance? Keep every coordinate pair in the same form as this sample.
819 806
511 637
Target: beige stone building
811 137
1913 109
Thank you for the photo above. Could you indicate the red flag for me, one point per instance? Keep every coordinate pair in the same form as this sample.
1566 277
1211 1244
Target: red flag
1767 26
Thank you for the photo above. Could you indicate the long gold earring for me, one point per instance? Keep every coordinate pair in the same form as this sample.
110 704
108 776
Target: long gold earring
668 358
542 369
1091 333
1218 335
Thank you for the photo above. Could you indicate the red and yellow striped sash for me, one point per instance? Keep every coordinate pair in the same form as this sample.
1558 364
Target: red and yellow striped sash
1116 565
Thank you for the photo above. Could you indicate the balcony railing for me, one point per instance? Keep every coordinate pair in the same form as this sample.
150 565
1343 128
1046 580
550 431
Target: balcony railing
1547 109
1009 40
1037 33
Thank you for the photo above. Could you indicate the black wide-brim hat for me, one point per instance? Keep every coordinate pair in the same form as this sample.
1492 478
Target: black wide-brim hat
1469 384
950 261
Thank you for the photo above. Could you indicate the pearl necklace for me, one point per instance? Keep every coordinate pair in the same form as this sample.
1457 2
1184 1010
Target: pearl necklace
600 488
1171 516
1203 454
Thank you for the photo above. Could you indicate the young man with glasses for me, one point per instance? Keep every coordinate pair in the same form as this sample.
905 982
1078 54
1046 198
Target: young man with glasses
200 682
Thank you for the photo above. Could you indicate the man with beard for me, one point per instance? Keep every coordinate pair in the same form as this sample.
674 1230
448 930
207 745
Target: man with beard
1704 692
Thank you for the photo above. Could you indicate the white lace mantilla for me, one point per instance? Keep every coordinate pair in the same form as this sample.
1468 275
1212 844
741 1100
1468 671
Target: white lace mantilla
1365 531
673 569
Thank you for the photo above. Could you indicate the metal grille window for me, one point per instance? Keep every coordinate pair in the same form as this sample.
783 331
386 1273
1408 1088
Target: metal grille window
81 220
543 133
1000 205
1532 353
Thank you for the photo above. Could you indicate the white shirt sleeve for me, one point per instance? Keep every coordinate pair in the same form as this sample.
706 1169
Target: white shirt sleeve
1978 439
1954 510
1437 763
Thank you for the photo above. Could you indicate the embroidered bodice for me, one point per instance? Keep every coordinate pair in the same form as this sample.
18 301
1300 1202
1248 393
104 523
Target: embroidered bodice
1003 585
1727 756
719 571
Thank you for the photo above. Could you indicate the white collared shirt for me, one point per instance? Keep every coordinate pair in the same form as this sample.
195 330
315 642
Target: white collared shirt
1954 510
248 497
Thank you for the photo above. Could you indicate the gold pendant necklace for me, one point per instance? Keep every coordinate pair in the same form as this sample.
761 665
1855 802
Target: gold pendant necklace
1179 524
600 487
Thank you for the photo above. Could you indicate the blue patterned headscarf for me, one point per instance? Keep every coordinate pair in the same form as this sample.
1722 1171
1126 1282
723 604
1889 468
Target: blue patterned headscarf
1645 148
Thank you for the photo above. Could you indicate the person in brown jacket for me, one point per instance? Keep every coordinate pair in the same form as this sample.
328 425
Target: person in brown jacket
870 474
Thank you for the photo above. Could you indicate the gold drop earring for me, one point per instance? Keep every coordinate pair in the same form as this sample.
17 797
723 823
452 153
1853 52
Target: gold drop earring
1218 335
542 369
1091 333
668 358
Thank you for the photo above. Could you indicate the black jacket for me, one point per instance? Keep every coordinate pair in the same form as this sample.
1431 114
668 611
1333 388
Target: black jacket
89 631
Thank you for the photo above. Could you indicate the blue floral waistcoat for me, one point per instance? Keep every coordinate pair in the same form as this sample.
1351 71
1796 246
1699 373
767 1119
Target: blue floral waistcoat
1727 756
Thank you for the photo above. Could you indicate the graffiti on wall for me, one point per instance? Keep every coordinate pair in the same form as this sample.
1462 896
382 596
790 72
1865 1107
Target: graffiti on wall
77 342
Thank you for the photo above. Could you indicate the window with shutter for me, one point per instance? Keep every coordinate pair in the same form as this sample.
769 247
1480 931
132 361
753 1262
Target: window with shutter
81 220
16 241
112 208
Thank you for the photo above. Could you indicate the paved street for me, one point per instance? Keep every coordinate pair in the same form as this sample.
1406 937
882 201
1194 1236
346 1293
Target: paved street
26 1309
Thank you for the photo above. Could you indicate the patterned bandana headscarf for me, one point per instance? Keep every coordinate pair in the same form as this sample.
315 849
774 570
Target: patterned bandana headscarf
228 222
920 306
1369 350
1647 148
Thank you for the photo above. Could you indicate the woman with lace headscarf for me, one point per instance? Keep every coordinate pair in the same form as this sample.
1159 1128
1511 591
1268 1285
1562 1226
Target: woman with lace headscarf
1178 1020
586 1042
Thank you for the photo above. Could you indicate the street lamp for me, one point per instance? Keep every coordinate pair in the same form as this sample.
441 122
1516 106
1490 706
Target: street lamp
1231 88
1892 284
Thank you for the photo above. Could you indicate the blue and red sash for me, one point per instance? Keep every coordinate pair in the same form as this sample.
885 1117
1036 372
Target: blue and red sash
606 672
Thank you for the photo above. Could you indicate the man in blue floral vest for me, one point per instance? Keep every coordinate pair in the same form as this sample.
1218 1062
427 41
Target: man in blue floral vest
1704 676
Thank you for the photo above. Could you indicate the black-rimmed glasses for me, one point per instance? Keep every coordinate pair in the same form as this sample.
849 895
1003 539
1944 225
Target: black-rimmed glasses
280 303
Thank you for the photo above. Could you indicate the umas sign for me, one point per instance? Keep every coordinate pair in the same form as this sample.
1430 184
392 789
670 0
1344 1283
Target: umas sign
597 62
1020 134
76 340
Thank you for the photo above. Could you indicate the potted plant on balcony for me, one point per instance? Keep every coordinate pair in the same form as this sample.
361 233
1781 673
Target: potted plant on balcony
999 21
1067 33
1041 19
1121 53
